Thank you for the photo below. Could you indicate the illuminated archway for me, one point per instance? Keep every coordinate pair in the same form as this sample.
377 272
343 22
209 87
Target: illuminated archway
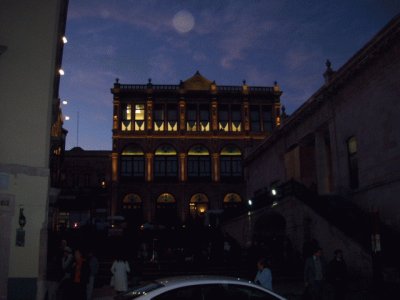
198 205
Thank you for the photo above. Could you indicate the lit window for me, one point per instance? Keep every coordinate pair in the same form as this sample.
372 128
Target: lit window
139 117
126 122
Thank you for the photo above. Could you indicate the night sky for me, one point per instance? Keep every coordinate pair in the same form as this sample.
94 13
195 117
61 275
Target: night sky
260 41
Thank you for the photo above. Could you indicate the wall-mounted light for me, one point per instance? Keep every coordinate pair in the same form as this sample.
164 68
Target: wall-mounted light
65 102
61 72
64 39
66 118
273 192
250 202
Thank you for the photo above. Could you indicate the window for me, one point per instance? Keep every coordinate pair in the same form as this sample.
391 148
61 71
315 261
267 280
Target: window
139 117
255 125
236 112
132 162
237 291
188 292
158 117
267 118
198 117
204 117
191 117
353 162
131 201
166 163
126 122
223 117
198 205
172 117
199 163
231 163
133 120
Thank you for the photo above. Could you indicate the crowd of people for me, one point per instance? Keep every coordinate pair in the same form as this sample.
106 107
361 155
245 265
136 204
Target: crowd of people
71 273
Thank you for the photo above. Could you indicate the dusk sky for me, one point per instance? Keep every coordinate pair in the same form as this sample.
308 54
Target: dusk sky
260 41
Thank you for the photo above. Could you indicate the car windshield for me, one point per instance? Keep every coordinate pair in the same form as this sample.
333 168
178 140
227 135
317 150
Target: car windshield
142 289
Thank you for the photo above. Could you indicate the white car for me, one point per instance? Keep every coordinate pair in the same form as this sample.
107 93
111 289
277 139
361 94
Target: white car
199 288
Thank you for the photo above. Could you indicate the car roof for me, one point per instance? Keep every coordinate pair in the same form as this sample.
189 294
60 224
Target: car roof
199 279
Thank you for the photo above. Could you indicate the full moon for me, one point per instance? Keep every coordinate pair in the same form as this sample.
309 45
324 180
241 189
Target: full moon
183 21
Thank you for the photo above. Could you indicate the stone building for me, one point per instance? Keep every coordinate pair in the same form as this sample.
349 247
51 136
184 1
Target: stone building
177 149
85 189
30 59
331 172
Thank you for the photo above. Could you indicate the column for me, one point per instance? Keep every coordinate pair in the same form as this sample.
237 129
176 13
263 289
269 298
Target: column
321 163
215 167
149 113
182 115
214 115
182 167
114 184
149 167
246 118
116 114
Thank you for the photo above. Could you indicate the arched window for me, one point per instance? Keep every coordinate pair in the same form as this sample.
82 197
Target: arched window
166 163
131 201
198 205
132 162
199 163
231 163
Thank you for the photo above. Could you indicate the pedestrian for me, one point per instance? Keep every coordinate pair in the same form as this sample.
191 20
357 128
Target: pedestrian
120 269
314 275
80 276
67 262
93 264
337 275
264 274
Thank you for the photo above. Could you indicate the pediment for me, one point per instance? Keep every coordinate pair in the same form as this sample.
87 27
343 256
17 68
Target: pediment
197 82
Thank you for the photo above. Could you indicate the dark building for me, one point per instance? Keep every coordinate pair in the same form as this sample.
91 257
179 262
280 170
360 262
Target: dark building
85 189
177 149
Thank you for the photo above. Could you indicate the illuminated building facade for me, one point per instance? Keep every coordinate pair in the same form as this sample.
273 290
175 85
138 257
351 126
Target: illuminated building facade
178 149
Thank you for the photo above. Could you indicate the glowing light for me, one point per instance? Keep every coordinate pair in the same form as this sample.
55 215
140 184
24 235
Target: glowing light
75 225
250 202
183 21
64 39
65 102
66 118
61 72
273 192
274 204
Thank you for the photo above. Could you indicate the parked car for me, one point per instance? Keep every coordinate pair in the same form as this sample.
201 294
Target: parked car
199 288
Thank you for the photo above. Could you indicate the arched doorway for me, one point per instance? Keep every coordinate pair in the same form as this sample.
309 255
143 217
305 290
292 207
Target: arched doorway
132 209
166 211
198 206
232 204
